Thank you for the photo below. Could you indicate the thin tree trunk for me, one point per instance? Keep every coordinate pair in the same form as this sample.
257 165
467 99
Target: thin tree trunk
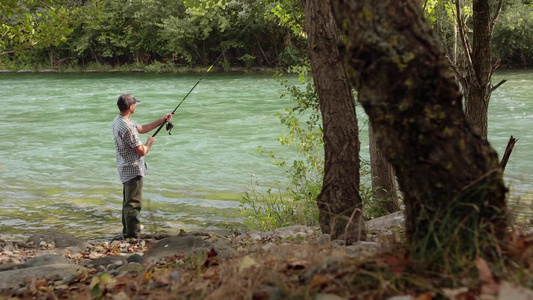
339 202
452 183
383 179
476 81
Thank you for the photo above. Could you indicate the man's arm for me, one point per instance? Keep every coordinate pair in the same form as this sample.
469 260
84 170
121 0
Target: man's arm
151 126
142 150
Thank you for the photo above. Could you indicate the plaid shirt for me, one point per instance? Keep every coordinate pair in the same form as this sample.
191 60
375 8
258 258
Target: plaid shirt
129 163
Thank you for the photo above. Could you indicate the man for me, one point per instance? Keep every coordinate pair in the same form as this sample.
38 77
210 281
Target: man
130 161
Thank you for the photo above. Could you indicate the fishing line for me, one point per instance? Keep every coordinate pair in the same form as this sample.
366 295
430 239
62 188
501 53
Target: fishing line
169 125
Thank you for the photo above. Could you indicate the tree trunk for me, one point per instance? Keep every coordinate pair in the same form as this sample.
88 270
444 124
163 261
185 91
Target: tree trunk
383 180
478 88
451 181
339 202
476 80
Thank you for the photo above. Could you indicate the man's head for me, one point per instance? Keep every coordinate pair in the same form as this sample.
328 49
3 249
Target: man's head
125 101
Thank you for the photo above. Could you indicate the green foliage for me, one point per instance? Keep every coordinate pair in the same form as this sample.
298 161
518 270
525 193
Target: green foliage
512 39
290 15
305 173
28 27
449 238
267 210
248 60
119 32
442 17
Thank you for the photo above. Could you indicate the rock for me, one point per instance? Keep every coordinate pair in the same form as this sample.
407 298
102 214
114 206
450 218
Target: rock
176 245
12 279
105 261
131 268
362 248
391 220
59 240
269 247
43 260
324 296
135 258
227 253
324 240
8 266
339 243
47 259
255 237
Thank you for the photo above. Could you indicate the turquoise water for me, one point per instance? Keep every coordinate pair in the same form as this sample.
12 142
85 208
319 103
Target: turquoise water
57 157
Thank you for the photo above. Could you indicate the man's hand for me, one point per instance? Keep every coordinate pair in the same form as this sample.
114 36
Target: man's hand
150 141
168 117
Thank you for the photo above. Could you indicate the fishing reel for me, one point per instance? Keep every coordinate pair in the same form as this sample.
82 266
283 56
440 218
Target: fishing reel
169 127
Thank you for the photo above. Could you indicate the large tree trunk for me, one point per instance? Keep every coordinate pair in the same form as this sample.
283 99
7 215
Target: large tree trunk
452 185
339 201
384 192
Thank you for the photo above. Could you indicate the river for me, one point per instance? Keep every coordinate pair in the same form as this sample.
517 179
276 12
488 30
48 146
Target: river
57 157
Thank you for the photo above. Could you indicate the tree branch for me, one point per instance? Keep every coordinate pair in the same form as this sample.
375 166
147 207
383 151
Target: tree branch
498 85
454 67
507 154
464 37
496 15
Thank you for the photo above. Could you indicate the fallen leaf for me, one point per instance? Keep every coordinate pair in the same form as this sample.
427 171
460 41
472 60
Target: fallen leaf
319 280
212 273
296 264
425 296
455 293
396 264
485 275
246 263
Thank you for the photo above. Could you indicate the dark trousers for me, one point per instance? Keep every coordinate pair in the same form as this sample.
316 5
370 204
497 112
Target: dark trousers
131 207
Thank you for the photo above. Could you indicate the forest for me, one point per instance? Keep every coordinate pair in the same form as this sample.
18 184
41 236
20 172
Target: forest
164 35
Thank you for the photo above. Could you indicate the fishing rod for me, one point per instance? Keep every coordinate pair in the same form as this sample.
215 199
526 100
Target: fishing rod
169 124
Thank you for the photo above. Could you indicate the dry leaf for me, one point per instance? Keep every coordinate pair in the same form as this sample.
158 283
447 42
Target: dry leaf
246 263
212 273
485 275
425 296
318 280
455 293
121 296
396 264
296 264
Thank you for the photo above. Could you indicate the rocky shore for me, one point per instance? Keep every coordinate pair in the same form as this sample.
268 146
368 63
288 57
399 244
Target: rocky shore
295 262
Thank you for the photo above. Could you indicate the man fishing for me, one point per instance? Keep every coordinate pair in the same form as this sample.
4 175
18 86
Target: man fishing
130 160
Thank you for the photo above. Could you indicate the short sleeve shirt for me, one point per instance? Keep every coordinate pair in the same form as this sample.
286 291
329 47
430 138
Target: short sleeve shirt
129 163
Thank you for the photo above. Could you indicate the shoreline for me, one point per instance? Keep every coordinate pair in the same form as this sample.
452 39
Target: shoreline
140 70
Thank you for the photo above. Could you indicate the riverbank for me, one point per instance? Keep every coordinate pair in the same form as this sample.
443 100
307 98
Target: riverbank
295 262
154 69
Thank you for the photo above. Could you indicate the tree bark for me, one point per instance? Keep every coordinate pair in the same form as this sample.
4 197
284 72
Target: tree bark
339 202
450 177
384 191
476 80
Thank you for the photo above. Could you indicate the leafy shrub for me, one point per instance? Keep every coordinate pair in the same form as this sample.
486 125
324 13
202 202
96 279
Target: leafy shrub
513 35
